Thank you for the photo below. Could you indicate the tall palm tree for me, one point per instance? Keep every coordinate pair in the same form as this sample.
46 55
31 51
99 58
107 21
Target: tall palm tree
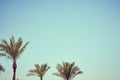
67 71
39 70
13 50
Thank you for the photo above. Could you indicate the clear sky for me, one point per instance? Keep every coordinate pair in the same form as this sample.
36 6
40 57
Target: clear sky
84 31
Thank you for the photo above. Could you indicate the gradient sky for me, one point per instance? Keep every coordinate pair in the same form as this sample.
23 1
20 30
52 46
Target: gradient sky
84 31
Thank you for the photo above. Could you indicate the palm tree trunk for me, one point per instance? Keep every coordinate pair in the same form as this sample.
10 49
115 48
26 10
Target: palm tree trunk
14 70
41 78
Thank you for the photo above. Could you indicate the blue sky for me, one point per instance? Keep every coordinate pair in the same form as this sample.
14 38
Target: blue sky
83 31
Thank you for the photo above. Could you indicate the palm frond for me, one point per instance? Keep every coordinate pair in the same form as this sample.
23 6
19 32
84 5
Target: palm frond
60 68
31 74
37 68
22 49
18 45
5 48
4 42
12 44
32 70
75 69
47 68
1 68
73 75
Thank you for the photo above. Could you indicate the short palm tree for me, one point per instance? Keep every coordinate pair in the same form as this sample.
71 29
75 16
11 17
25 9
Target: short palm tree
39 70
67 71
13 50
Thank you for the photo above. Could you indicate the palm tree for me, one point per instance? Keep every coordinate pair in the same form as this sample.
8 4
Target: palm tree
67 71
13 50
39 70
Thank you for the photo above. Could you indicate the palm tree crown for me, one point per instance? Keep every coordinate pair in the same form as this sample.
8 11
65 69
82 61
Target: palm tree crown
12 49
39 70
67 71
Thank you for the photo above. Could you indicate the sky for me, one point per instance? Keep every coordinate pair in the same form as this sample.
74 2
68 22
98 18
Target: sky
86 32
